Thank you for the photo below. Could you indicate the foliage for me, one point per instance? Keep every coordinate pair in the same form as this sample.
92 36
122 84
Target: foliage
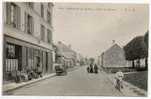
91 60
136 49
146 38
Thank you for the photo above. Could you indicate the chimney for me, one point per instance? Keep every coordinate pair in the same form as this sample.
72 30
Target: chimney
113 42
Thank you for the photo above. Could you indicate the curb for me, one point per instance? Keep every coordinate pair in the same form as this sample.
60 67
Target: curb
27 83
135 88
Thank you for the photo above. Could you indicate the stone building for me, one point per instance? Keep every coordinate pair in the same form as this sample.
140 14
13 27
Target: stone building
27 29
113 57
65 55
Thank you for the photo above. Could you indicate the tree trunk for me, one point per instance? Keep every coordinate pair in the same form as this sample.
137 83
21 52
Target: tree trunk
138 63
133 64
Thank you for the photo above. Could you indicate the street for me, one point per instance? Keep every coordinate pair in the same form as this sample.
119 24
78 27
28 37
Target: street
77 82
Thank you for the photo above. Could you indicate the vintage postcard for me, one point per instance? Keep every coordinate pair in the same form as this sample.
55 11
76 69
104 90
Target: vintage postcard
75 49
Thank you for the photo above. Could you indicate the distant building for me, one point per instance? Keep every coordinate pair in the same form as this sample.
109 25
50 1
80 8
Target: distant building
27 29
80 60
65 55
113 57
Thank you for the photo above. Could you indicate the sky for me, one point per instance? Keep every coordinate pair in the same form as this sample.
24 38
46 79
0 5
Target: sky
91 28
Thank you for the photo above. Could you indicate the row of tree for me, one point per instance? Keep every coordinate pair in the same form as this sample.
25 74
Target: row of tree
137 49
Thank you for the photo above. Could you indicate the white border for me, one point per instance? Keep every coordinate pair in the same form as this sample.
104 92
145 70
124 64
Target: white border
90 1
81 1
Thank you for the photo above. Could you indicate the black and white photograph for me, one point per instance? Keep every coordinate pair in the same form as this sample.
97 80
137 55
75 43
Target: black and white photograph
75 49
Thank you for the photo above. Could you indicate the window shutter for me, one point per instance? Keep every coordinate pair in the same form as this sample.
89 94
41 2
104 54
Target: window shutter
15 15
50 19
50 36
18 18
8 13
44 34
32 22
25 22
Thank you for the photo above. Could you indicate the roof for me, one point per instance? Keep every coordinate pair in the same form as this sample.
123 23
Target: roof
65 51
115 46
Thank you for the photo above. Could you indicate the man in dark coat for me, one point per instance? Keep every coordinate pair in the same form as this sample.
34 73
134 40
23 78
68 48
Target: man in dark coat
91 68
95 68
88 69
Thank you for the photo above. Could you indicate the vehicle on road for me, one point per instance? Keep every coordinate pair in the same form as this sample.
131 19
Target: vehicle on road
60 70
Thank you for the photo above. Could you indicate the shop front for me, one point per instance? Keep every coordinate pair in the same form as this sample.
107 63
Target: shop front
20 56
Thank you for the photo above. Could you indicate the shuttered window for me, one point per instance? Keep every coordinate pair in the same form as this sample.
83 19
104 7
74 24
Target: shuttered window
13 15
13 57
49 36
48 17
42 10
29 24
42 33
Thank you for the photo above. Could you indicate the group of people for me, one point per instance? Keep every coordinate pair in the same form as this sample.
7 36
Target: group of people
26 74
92 68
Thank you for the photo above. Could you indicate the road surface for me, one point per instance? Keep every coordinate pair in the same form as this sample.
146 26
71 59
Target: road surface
77 82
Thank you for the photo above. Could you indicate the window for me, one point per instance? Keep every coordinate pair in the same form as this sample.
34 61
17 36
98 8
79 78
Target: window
13 59
48 17
13 15
30 4
42 10
49 36
29 26
50 5
10 50
42 33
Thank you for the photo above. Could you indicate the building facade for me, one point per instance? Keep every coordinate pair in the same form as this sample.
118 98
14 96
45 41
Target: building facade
114 57
80 60
65 55
27 29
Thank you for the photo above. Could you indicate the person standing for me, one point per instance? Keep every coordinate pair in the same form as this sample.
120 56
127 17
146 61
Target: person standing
95 68
119 80
88 69
91 68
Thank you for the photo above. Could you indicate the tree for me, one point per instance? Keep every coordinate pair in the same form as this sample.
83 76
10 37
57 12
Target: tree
135 50
91 60
146 42
146 38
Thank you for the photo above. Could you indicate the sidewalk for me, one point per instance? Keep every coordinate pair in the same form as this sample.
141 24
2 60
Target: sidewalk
129 89
13 86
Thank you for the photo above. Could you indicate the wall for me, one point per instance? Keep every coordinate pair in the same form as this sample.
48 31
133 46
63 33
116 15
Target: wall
114 57
20 34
